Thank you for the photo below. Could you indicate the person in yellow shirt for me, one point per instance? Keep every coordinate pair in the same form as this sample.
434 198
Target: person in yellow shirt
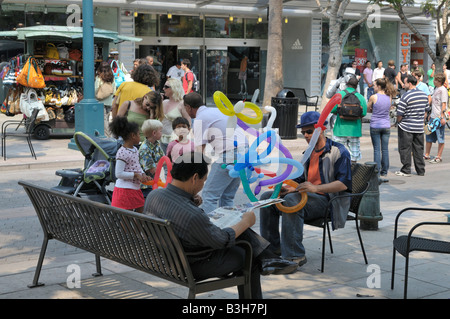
144 78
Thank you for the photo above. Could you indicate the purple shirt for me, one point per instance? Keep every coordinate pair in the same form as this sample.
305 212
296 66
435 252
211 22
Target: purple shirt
380 112
367 75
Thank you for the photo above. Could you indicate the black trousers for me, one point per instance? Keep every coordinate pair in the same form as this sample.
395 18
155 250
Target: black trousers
411 143
224 261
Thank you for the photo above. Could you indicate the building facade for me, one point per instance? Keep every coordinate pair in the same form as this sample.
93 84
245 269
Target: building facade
216 41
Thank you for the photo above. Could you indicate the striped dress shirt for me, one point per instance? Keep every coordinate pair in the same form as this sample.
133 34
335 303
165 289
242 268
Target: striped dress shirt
412 109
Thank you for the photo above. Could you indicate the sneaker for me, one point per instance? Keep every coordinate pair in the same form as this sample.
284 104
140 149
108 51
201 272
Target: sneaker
300 261
400 173
426 157
436 160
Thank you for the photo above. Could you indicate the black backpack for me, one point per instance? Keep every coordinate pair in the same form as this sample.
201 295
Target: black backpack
350 107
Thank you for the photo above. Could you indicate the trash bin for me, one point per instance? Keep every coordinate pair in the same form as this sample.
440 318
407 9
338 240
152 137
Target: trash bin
369 209
286 105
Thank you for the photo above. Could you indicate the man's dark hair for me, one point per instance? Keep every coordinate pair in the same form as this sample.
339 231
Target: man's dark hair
353 82
411 79
188 164
193 99
187 63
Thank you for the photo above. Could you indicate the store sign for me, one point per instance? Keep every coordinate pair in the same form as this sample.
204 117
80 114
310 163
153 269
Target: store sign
405 46
297 45
74 18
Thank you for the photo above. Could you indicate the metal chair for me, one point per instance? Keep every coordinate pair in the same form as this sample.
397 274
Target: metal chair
27 123
305 99
405 244
361 175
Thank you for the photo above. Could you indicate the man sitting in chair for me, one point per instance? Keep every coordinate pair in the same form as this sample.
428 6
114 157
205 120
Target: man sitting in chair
327 173
177 203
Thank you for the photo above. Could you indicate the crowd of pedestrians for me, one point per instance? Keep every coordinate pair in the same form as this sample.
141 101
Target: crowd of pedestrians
420 110
176 123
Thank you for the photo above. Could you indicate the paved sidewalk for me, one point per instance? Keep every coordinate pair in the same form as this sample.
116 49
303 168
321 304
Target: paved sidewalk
345 277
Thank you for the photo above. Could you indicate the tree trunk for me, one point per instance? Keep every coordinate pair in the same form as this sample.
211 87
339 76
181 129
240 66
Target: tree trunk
274 68
335 57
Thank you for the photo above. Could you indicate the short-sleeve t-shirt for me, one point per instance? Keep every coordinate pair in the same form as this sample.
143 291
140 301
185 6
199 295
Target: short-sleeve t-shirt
190 77
440 96
390 74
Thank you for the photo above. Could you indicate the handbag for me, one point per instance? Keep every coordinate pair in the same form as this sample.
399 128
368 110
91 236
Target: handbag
51 52
31 75
75 54
104 90
63 51
29 101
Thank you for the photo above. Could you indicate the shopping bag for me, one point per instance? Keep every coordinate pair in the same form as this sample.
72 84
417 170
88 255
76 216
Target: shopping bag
51 52
31 75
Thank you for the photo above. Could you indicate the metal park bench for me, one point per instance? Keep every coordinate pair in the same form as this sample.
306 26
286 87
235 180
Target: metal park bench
132 239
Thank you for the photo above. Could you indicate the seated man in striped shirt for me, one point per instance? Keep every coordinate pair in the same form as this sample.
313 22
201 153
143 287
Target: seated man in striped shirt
410 118
196 231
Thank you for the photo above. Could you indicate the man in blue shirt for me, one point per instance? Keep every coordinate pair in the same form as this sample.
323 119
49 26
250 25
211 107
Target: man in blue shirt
410 118
327 174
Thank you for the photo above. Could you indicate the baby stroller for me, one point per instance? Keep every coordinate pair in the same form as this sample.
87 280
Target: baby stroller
98 172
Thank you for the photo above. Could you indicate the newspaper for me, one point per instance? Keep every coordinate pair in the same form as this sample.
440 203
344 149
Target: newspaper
227 216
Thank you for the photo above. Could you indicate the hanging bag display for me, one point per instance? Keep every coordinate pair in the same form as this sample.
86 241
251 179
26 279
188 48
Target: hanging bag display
51 52
31 75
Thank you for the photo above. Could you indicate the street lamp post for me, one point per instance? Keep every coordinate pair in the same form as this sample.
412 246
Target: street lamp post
88 112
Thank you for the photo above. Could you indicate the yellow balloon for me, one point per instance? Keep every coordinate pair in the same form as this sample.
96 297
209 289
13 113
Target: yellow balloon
227 108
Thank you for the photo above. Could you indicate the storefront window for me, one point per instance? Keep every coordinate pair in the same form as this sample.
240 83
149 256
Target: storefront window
363 44
146 25
181 26
255 29
11 17
224 28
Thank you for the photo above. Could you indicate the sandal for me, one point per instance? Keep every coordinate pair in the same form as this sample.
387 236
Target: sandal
426 157
436 160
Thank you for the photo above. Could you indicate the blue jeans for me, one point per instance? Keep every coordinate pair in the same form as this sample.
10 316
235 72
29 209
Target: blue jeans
290 245
380 142
220 189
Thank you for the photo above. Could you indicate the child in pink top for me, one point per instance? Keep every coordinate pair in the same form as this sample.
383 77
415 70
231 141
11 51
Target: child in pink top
183 144
127 192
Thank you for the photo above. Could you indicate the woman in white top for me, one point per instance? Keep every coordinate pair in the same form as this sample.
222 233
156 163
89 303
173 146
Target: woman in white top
173 108
378 72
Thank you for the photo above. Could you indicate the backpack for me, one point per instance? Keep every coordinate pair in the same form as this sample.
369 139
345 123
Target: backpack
350 107
119 76
195 83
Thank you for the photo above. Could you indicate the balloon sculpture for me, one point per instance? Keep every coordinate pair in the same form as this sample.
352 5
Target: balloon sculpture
249 163
156 181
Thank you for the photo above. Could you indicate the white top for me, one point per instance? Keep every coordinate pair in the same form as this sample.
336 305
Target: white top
176 73
377 74
210 126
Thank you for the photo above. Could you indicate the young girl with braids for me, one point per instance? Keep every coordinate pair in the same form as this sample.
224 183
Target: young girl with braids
127 193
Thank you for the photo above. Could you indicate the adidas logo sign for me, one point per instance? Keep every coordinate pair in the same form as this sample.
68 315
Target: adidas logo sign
297 45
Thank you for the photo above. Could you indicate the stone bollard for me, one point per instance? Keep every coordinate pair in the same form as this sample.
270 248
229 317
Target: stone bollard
369 209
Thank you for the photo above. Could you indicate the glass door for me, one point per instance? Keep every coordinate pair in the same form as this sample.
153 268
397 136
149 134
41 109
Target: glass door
195 56
217 63
244 72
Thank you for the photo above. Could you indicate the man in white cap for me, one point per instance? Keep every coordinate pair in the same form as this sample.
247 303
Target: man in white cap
114 56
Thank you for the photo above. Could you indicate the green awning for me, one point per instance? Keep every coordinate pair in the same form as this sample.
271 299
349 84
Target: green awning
65 33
